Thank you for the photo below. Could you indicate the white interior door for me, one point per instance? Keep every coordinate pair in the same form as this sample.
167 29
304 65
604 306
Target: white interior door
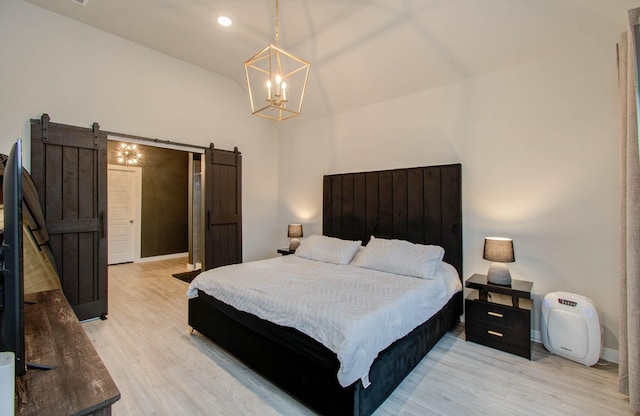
123 202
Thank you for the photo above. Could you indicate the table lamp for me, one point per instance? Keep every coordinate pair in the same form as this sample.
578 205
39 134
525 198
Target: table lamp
500 251
295 232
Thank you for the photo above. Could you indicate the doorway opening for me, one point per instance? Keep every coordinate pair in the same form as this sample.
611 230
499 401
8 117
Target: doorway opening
170 201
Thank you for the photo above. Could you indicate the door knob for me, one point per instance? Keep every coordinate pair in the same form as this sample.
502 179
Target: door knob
130 221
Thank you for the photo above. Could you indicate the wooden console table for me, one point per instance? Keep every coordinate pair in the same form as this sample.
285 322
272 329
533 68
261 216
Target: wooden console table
80 384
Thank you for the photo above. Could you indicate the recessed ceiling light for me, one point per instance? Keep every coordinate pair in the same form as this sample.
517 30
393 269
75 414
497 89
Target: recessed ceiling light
224 21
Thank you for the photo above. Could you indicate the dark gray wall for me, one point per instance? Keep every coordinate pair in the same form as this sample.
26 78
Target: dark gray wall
165 203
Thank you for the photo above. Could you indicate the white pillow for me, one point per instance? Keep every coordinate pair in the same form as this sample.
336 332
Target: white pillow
400 257
327 249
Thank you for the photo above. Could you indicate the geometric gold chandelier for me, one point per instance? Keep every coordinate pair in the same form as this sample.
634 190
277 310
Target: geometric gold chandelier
277 81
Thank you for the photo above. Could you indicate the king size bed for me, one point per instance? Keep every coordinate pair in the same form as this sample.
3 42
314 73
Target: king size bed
414 210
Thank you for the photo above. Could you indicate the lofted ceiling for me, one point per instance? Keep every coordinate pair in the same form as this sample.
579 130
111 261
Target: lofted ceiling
361 51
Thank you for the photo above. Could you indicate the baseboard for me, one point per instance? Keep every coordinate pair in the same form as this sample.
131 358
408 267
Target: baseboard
536 336
163 257
608 354
611 355
191 266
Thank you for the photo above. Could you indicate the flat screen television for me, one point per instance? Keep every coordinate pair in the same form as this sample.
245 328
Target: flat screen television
12 276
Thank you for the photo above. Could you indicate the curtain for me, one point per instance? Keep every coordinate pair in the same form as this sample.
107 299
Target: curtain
629 336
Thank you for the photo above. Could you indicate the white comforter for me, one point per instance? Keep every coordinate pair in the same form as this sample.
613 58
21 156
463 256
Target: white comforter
354 312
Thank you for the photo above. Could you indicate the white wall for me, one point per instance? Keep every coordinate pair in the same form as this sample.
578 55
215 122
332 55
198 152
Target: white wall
538 143
539 150
80 75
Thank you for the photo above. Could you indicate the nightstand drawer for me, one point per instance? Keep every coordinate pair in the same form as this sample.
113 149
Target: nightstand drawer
500 337
496 314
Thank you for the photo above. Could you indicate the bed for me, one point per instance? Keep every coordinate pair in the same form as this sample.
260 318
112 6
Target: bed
421 205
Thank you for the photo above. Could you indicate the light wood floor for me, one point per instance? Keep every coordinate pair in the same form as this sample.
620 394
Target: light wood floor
162 370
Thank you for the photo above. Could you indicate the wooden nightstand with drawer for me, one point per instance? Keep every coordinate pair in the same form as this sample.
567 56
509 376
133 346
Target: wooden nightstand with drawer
499 316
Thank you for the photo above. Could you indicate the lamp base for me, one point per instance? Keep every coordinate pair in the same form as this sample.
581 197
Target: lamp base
499 274
293 245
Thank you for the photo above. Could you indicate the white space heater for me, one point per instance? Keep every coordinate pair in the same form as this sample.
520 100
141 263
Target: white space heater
571 327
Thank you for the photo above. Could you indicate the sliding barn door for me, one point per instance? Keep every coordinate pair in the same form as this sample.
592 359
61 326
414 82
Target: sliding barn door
223 207
69 169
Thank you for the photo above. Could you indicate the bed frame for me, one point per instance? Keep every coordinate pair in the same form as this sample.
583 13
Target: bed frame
422 205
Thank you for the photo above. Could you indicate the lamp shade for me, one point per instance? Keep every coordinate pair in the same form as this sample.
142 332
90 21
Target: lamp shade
295 231
498 249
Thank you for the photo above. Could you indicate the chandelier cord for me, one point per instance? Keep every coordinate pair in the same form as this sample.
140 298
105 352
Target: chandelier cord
277 31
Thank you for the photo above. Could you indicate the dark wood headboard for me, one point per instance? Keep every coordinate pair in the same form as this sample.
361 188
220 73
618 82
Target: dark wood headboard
422 205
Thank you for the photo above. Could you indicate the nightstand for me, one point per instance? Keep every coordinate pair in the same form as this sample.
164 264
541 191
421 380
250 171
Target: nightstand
285 251
499 316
